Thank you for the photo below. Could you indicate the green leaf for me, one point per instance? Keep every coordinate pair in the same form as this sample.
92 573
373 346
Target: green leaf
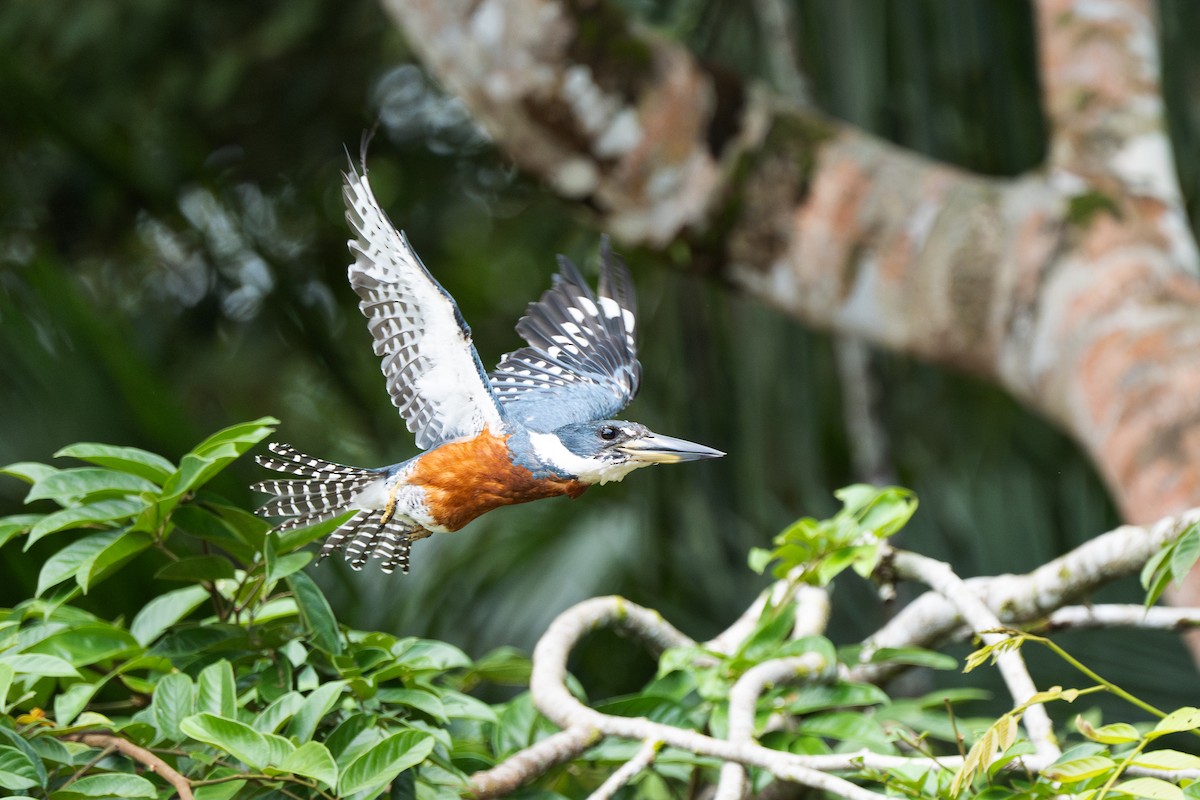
382 762
195 569
164 611
759 559
1079 769
208 526
17 524
70 485
1185 552
280 711
38 665
211 456
216 692
7 671
76 516
317 704
66 562
150 466
315 612
109 785
1166 759
242 436
86 643
312 760
425 702
1116 733
111 557
16 769
914 656
28 471
280 567
247 745
1179 720
1151 788
69 703
174 701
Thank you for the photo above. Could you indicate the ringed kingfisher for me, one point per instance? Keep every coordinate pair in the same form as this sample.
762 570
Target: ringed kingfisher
537 426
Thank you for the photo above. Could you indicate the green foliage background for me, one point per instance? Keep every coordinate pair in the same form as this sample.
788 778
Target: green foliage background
172 260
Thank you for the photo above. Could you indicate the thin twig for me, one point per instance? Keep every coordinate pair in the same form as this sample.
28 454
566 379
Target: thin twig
941 578
743 701
628 771
538 759
178 782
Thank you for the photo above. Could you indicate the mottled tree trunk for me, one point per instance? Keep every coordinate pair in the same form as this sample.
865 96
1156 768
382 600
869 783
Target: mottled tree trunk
1073 286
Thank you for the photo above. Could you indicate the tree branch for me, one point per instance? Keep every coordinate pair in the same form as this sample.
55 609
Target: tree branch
532 762
1017 599
178 782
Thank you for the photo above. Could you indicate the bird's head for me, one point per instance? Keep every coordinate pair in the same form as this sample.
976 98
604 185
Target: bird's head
609 449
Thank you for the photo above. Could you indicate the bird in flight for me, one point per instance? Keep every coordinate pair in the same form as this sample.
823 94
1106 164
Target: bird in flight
539 425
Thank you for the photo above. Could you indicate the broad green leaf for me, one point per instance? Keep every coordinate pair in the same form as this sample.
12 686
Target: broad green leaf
504 665
108 785
86 643
1181 719
38 665
216 692
69 485
315 612
150 466
280 567
1150 788
1185 552
66 562
317 704
845 726
16 769
312 760
1166 759
221 791
212 455
384 761
77 516
280 711
242 436
174 701
17 524
1116 733
462 706
197 568
6 678
914 656
247 745
69 703
110 558
28 471
425 702
208 526
18 741
1079 769
164 611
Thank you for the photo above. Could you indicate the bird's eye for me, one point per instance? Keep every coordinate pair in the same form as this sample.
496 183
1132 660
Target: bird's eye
608 432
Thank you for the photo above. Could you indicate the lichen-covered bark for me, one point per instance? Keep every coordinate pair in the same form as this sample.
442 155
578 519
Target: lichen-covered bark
1074 286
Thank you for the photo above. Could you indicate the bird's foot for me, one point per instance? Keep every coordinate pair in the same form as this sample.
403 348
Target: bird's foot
389 510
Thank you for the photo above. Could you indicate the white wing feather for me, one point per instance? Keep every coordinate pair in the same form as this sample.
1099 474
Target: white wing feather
433 372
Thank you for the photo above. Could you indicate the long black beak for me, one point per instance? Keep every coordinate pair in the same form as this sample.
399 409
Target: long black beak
654 448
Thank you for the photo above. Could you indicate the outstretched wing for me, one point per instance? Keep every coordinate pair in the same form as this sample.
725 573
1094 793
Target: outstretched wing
581 363
433 373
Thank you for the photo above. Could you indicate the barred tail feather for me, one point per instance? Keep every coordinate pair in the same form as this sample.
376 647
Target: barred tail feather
364 536
325 491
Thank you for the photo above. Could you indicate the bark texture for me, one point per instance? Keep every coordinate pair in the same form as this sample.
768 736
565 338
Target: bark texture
1074 286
